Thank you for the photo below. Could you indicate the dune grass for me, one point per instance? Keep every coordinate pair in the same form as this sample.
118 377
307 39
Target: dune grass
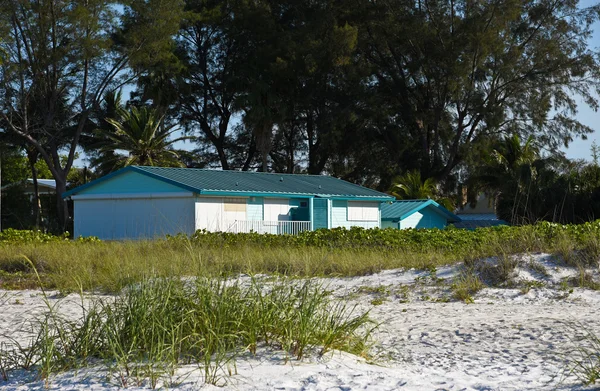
583 355
144 334
109 266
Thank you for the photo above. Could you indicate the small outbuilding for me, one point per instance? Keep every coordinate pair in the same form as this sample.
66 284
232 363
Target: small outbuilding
406 214
45 186
146 202
482 214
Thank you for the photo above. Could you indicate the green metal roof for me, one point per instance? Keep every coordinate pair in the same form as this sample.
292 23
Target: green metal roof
217 182
399 210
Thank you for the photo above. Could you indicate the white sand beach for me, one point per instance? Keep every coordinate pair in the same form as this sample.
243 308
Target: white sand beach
506 339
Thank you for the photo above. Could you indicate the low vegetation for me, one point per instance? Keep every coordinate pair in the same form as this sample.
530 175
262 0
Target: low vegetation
466 285
91 264
158 321
158 324
583 356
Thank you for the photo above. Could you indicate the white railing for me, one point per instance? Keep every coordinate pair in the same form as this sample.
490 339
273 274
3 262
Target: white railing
270 227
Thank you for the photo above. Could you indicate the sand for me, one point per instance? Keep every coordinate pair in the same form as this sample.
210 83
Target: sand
506 339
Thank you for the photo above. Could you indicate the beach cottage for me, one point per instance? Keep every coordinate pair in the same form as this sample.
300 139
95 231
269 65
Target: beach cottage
146 202
416 214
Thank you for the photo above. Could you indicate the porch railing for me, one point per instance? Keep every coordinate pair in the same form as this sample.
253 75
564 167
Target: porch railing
270 227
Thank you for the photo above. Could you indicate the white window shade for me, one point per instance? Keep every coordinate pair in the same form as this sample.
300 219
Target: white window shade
363 211
234 209
277 209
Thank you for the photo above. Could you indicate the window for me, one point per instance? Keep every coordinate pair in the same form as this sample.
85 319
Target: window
234 209
234 205
363 211
277 209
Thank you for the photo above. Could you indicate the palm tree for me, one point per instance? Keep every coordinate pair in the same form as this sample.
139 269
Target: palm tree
517 159
142 135
510 162
410 186
508 176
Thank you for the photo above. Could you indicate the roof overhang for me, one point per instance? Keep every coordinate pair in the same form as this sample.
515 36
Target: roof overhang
221 193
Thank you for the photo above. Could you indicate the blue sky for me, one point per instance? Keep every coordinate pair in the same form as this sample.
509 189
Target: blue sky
580 149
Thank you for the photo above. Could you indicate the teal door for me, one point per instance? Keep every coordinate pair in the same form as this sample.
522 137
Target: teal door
319 213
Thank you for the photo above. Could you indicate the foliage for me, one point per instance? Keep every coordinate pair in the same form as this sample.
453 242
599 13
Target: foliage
24 236
110 266
410 186
57 69
14 167
142 134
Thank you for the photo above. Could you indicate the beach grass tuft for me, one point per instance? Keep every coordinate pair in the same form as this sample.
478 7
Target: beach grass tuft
144 333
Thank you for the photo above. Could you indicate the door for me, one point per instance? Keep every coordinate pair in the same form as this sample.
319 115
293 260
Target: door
319 213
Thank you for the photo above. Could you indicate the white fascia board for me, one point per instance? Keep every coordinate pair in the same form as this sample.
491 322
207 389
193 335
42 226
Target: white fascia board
120 196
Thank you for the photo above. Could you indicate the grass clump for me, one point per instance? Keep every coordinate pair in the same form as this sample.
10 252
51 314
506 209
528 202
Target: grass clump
466 285
528 285
583 357
499 272
538 268
584 280
157 324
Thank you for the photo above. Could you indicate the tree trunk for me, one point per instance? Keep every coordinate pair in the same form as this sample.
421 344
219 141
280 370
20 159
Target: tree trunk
265 160
251 152
62 210
222 155
32 158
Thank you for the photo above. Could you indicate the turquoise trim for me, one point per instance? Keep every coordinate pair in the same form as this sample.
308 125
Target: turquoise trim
320 213
358 198
251 194
121 171
311 213
95 182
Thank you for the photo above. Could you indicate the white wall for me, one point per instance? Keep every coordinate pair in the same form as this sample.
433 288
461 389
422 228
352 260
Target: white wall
133 218
425 218
211 213
339 216
411 221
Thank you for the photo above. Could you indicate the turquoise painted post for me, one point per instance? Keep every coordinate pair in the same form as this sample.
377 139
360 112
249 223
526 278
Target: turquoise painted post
311 213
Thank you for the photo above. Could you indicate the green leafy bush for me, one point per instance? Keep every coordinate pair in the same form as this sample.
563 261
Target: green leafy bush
16 236
26 236
518 238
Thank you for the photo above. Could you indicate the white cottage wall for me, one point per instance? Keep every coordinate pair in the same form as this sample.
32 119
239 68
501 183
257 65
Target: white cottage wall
221 213
341 217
